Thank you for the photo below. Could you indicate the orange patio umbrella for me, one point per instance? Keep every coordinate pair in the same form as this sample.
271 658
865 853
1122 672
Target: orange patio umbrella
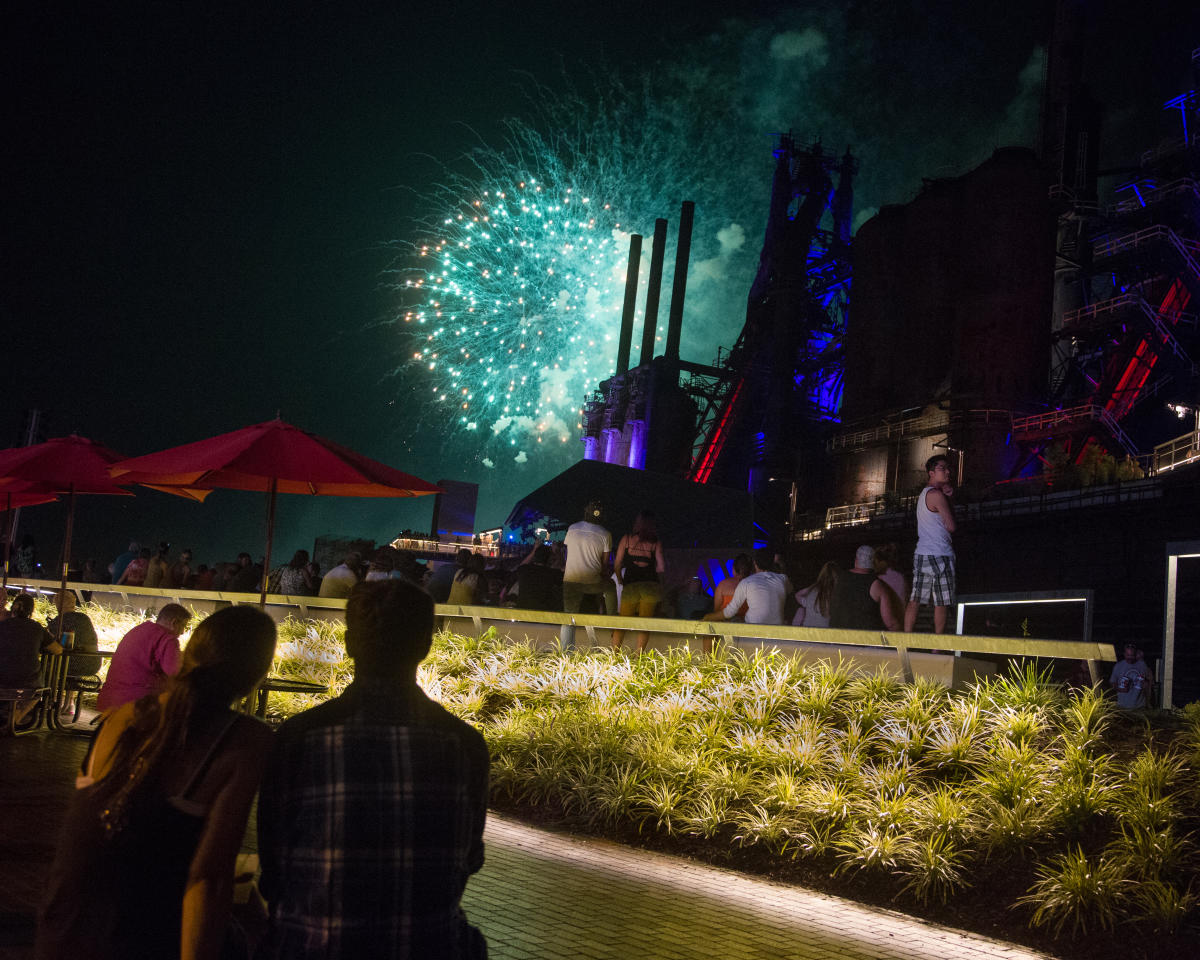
273 457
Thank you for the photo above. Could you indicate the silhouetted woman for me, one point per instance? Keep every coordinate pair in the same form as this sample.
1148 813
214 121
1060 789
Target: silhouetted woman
146 856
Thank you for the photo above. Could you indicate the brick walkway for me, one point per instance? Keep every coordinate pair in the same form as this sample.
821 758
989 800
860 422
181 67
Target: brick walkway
540 895
544 895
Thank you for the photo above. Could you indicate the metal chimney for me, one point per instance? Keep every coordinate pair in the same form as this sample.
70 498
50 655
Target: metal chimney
683 250
631 282
653 289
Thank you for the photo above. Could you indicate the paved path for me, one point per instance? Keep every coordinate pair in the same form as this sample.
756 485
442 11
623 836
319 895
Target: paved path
545 895
540 895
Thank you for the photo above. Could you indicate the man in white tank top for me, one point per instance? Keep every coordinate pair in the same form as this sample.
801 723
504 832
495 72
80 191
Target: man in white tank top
933 561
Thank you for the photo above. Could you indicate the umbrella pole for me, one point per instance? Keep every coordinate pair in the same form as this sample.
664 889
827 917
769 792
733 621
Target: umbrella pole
66 556
8 532
262 596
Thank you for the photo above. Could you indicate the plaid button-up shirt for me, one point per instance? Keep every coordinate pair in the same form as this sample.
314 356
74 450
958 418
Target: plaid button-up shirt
370 821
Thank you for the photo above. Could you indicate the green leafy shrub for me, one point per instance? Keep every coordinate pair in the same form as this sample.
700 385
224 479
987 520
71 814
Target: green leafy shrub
935 867
1076 890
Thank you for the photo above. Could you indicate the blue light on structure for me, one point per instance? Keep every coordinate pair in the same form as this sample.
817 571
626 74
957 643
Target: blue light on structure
713 572
1182 103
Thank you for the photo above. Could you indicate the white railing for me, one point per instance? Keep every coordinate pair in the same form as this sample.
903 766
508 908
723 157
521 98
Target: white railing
1056 419
419 545
1156 195
1149 235
1177 452
852 514
1074 319
913 426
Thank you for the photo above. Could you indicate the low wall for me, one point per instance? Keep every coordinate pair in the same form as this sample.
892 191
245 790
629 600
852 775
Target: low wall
907 655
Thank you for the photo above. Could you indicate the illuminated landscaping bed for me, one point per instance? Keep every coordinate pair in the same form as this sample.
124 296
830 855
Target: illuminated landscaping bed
1012 804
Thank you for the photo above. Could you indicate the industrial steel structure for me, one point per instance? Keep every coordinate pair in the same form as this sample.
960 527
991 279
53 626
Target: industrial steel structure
754 418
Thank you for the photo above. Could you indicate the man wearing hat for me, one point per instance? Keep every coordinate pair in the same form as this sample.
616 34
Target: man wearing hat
589 562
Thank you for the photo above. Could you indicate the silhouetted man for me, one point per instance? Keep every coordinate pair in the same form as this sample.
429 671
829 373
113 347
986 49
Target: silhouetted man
371 814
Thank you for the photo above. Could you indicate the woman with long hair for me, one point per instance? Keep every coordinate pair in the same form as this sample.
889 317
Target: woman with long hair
294 578
145 861
814 600
639 566
470 582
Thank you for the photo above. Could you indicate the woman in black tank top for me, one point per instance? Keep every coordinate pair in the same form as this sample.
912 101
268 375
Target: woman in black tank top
145 859
639 565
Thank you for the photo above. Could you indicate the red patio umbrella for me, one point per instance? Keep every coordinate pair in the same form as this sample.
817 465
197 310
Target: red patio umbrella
67 465
273 457
12 499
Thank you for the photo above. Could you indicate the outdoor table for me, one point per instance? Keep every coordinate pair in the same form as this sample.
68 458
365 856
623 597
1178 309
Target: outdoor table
283 685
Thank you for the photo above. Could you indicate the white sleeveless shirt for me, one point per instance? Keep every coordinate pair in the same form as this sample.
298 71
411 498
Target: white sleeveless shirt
933 539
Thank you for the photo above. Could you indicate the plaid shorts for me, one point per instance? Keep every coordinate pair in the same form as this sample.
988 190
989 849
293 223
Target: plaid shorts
933 580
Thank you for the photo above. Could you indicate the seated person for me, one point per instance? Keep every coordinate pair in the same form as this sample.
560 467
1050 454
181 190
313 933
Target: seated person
22 642
145 657
763 593
539 585
693 602
743 566
343 578
861 600
470 583
84 640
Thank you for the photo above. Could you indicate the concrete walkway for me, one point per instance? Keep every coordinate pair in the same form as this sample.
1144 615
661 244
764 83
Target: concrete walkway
540 895
544 895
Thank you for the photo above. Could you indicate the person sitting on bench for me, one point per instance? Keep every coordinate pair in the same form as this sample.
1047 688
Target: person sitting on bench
22 642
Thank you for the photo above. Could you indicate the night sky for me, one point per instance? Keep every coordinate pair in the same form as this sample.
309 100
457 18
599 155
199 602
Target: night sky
202 201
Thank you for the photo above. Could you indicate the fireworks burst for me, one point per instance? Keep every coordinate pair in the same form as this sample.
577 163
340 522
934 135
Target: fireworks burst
518 296
513 289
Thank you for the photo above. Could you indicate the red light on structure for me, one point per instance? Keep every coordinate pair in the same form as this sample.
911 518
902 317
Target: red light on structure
1139 368
709 460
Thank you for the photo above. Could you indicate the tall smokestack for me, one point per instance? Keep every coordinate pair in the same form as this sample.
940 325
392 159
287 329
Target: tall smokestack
631 281
653 289
683 250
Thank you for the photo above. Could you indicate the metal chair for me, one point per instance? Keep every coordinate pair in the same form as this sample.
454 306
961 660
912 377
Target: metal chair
87 683
31 721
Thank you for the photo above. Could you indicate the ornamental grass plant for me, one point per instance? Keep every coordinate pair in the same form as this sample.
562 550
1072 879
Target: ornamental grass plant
1016 787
